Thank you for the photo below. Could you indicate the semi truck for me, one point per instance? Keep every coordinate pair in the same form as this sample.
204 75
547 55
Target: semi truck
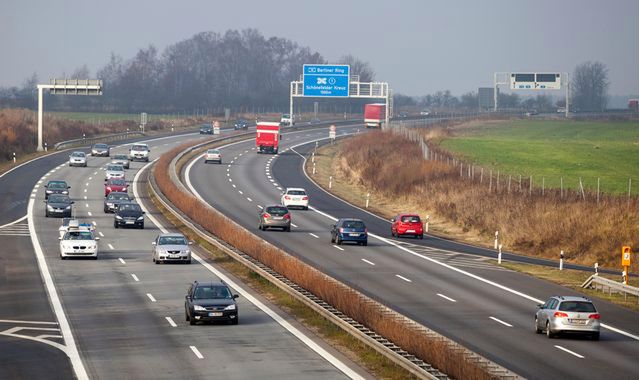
374 115
267 137
633 105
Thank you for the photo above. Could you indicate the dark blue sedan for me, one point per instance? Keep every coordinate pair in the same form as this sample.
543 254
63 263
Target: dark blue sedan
347 229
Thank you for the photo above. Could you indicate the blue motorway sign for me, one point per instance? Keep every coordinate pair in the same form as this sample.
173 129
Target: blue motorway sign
326 80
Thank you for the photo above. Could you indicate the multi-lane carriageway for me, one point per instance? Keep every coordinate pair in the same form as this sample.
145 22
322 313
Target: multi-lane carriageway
125 315
122 316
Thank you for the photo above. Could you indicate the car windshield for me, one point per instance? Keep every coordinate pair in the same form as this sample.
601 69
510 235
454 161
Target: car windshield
101 146
212 292
129 207
577 306
120 157
278 211
241 121
353 224
410 219
286 116
115 168
213 151
57 185
139 147
118 196
172 240
296 192
56 198
77 154
78 235
117 182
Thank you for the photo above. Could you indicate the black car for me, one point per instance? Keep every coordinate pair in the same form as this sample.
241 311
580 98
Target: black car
347 229
114 199
128 214
241 124
56 187
58 205
210 301
206 129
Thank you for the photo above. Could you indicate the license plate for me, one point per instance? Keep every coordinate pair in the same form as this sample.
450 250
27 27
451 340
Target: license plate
58 210
353 234
578 321
129 222
215 314
277 217
413 231
174 256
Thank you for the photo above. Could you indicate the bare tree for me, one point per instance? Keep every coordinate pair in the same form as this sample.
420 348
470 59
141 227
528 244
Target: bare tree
359 67
590 87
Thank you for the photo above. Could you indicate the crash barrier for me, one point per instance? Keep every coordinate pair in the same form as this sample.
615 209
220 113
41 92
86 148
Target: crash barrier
406 342
97 139
604 284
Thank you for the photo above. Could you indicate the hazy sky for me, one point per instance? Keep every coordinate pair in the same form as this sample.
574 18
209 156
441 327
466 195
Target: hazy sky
417 46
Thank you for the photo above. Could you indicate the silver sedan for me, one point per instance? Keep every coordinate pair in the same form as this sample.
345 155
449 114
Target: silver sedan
171 247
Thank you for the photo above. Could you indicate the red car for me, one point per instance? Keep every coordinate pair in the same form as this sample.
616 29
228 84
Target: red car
115 184
407 224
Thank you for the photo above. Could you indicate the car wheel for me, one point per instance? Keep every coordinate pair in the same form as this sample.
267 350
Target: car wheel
338 241
46 214
549 333
142 226
288 229
332 239
191 321
537 329
235 321
392 233
365 243
115 225
188 261
259 226
62 257
94 258
106 210
595 336
421 236
186 315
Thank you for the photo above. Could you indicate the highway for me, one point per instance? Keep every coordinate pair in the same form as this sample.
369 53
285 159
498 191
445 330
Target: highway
443 285
122 316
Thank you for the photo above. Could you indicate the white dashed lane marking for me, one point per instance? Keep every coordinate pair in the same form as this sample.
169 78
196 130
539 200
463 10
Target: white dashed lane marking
135 277
403 278
368 262
110 246
446 298
249 199
313 235
340 248
570 352
122 260
151 297
196 352
101 234
170 320
500 321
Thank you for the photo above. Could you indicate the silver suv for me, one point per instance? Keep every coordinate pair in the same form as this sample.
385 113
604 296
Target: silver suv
567 314
171 247
139 152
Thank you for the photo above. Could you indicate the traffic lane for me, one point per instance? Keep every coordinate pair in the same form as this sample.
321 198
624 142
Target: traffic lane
290 171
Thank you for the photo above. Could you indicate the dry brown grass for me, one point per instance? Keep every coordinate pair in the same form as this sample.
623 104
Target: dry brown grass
435 350
534 225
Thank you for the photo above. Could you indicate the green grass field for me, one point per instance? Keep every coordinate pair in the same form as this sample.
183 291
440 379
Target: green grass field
555 149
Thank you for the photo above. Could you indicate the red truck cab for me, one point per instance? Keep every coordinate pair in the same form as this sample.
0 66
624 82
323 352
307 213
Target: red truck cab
407 224
267 137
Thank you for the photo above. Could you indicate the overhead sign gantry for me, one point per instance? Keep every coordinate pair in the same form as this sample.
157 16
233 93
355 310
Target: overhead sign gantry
532 81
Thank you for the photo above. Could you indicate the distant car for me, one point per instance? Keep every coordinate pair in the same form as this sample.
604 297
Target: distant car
210 301
113 200
561 110
115 184
315 121
275 217
206 129
213 155
120 159
347 229
100 150
139 152
56 187
241 124
402 115
407 224
532 113
287 119
295 197
114 171
78 159
424 113
66 222
567 314
79 241
128 215
58 205
171 247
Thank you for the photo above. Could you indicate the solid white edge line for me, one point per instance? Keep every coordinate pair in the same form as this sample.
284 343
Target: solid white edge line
570 352
151 297
196 352
14 222
71 348
276 317
500 321
461 271
446 297
171 322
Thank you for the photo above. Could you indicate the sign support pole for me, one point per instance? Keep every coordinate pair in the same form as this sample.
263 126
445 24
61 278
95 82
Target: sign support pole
291 104
567 94
495 97
40 111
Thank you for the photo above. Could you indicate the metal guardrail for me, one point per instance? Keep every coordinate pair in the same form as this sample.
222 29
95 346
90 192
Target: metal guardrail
597 282
96 139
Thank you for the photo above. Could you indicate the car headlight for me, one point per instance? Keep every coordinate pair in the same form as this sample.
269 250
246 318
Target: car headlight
198 308
187 251
230 307
68 207
48 191
141 217
65 192
109 204
49 207
118 217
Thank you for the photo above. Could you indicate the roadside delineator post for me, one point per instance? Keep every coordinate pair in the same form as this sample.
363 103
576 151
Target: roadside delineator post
496 239
561 260
427 222
368 197
625 262
596 269
46 147
313 157
330 182
499 255
313 168
14 157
